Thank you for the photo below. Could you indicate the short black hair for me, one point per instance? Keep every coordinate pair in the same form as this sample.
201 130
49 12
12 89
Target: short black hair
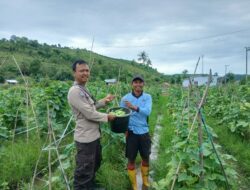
79 62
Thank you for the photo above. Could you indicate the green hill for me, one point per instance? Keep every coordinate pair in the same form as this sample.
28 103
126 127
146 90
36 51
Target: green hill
39 61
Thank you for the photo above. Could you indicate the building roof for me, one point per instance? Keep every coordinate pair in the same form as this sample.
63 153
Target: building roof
110 80
11 81
200 80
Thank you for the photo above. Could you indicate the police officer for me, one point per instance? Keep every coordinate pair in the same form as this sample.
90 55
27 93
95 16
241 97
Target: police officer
87 131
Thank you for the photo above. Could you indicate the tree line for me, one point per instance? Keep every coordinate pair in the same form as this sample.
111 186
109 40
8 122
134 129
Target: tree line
40 60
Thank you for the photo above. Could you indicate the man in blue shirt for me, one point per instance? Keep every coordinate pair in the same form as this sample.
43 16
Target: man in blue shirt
138 138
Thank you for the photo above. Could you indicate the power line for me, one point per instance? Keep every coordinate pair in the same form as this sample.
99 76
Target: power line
176 42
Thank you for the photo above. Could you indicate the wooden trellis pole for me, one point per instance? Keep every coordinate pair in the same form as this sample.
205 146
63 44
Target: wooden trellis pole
200 140
49 154
28 94
191 129
91 62
60 162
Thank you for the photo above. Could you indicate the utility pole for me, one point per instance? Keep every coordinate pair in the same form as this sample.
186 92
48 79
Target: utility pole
225 72
247 49
202 65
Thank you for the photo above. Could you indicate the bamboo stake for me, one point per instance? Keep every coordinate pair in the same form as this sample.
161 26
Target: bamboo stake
60 162
189 92
26 84
45 168
64 131
200 134
191 87
14 131
43 148
37 162
191 129
15 121
117 85
200 140
27 97
91 62
196 65
90 55
27 116
27 89
49 155
189 95
30 129
182 113
3 62
48 147
58 140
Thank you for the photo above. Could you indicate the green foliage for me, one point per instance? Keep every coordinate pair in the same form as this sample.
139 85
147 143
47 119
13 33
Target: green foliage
229 77
16 110
234 145
1 79
42 60
108 172
232 106
11 105
53 94
17 161
63 74
35 67
114 162
184 150
166 135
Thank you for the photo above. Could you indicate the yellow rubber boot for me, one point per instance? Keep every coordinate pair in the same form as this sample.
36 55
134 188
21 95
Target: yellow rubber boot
144 174
132 178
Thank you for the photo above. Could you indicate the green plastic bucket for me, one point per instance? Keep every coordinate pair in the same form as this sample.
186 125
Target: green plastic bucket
120 123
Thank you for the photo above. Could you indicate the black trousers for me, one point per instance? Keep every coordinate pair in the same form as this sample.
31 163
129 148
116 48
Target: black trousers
88 161
138 143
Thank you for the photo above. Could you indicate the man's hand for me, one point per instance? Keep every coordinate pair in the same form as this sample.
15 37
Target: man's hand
109 98
130 106
111 117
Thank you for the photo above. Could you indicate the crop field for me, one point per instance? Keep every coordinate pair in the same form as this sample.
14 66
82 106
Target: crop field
203 144
206 148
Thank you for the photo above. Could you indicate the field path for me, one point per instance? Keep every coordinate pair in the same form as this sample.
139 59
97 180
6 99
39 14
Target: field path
154 152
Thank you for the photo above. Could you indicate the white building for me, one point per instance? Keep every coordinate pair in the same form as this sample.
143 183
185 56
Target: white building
110 81
200 80
12 81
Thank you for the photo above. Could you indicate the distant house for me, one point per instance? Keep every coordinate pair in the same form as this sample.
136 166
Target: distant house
12 81
165 87
110 81
201 80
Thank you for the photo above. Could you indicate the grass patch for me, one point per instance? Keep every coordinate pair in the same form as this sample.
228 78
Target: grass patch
112 173
18 160
236 146
154 114
166 136
113 176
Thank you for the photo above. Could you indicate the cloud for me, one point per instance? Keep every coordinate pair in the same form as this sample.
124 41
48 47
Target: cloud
173 33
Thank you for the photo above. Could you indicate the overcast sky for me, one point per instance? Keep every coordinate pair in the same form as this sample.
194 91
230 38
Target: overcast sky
173 33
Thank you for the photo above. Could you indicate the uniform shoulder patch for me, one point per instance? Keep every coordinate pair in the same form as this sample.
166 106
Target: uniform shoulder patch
82 94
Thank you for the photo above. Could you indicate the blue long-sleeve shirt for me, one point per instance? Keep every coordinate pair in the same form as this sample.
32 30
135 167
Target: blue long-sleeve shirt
138 119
